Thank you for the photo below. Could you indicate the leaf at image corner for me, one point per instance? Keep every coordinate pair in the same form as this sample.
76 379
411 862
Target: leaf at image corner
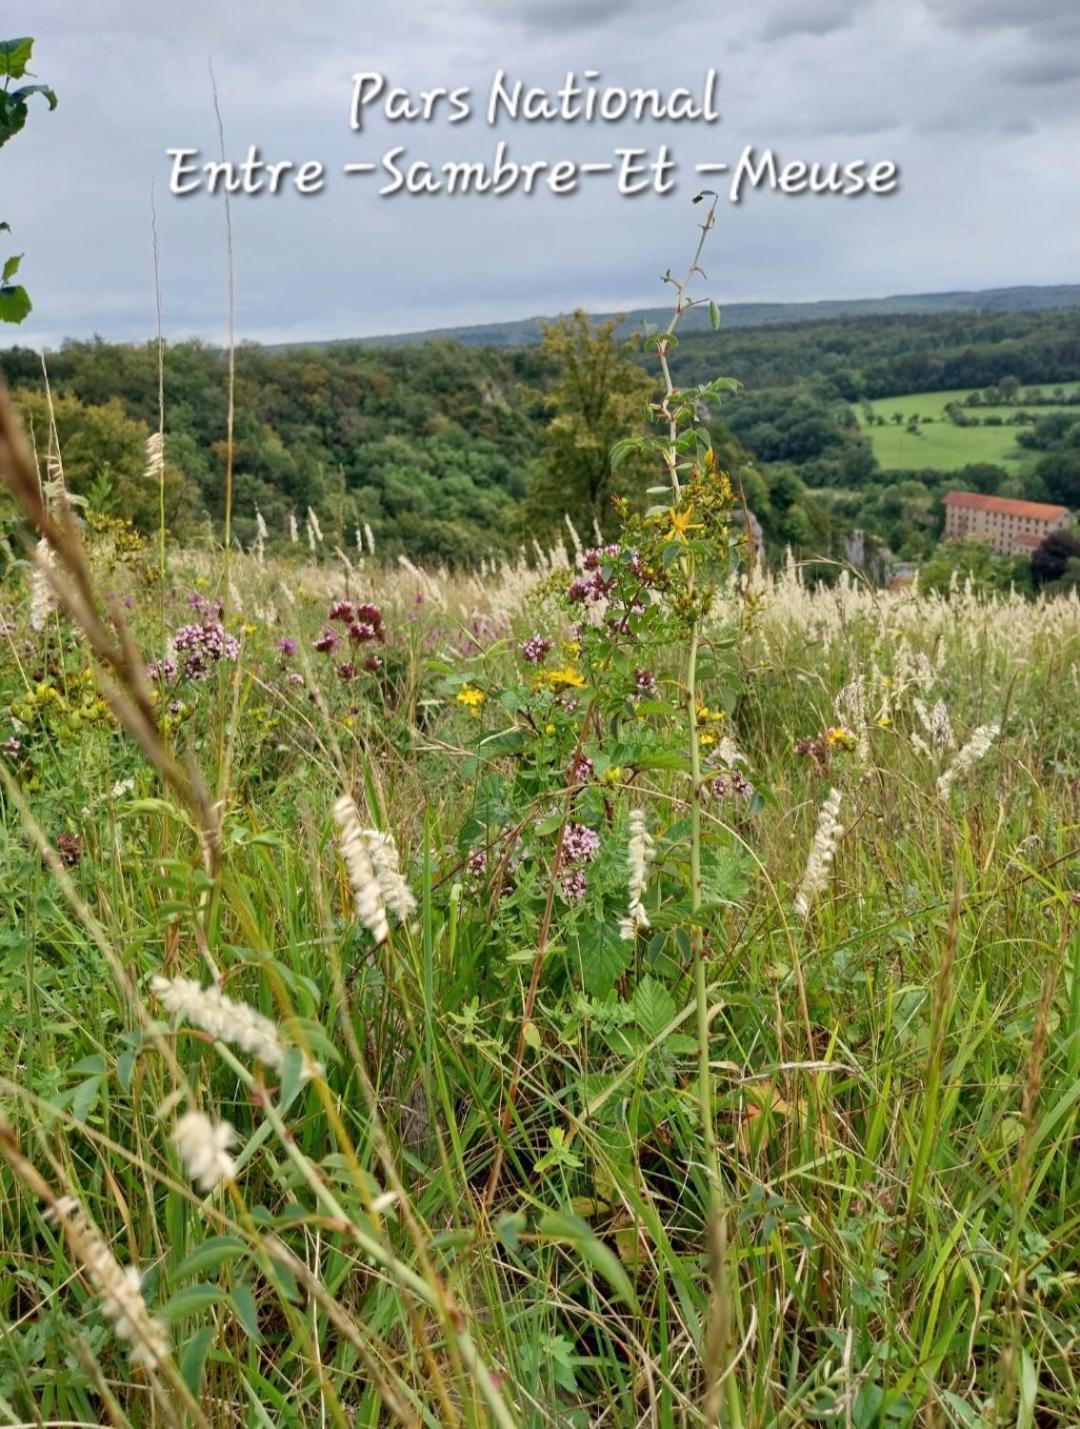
15 304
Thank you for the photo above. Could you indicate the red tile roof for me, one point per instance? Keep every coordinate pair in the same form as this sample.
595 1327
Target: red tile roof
1005 505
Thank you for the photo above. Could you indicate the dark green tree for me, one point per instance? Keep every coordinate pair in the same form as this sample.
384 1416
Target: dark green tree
599 396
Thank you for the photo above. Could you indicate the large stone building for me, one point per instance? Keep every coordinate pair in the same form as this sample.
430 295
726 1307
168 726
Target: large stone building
1013 528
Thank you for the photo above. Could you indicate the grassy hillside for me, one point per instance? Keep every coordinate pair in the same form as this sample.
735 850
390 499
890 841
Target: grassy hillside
941 445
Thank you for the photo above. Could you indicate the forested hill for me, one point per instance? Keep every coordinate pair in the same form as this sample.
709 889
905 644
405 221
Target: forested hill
526 332
438 446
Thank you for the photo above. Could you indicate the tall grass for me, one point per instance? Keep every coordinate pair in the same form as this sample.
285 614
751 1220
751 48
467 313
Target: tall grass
768 1161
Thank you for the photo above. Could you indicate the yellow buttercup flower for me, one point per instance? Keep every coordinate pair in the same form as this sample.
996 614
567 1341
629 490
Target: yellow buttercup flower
566 678
471 698
840 738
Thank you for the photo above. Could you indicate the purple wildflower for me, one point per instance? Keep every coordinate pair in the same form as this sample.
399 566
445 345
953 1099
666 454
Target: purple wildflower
204 645
535 649
287 646
579 844
11 747
341 610
645 681
581 769
325 642
574 886
161 670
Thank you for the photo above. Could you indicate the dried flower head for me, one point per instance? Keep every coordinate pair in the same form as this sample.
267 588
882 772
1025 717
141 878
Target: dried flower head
203 1148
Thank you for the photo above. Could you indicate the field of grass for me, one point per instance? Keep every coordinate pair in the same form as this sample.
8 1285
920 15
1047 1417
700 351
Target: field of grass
941 446
468 1180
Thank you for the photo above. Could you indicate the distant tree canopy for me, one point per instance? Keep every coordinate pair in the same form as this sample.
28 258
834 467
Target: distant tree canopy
449 452
973 560
1052 560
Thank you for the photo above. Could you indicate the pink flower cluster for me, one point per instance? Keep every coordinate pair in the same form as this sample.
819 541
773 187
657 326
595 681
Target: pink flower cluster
536 649
203 646
364 622
580 844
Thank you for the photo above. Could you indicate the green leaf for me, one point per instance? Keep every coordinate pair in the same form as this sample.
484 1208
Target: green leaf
208 1256
15 56
15 304
653 1005
191 1300
11 267
21 95
194 1358
571 1230
602 956
86 1094
723 876
247 1312
714 316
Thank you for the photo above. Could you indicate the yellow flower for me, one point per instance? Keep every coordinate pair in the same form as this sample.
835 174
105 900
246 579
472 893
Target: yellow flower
840 738
471 698
566 678
549 729
613 775
884 722
682 521
707 738
201 582
573 648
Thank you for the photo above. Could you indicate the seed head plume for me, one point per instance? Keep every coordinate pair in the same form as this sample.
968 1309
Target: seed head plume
224 1019
975 749
117 1287
639 854
203 1148
829 832
368 894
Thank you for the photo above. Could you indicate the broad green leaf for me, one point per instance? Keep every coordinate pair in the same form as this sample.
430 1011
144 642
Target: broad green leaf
15 56
571 1230
193 1358
653 1005
191 1300
602 957
208 1256
11 267
15 304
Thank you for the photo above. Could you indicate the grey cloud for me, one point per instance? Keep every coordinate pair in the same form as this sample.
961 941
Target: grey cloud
1047 69
565 16
951 94
813 17
1044 19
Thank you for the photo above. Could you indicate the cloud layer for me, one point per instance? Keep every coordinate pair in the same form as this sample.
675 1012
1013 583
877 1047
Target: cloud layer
976 99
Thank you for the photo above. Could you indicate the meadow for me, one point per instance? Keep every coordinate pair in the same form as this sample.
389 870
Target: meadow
615 985
938 444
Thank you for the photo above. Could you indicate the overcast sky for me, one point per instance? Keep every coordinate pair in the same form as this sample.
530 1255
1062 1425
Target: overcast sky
977 100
